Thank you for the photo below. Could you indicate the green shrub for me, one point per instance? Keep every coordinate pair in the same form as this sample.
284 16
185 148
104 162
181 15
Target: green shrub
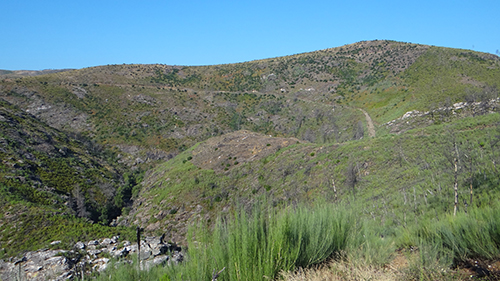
467 235
259 245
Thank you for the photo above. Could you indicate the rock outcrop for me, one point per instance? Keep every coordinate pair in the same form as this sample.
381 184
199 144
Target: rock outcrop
87 257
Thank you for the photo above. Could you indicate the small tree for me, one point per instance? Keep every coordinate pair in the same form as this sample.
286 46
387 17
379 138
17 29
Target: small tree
79 197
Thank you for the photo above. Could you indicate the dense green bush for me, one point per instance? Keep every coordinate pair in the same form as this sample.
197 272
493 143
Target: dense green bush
468 235
259 245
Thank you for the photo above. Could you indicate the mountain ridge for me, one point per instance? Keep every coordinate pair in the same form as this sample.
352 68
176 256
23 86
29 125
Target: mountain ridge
151 118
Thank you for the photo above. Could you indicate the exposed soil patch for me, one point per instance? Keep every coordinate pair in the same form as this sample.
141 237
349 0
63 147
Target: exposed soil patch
224 152
488 270
369 122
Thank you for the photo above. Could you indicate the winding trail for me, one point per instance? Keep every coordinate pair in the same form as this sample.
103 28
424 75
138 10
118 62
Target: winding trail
371 128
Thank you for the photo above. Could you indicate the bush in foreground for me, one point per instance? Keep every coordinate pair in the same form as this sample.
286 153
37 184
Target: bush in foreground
266 243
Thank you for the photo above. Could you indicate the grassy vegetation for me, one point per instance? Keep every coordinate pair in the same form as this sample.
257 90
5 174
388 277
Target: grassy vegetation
397 179
36 228
113 122
472 235
287 96
262 243
55 186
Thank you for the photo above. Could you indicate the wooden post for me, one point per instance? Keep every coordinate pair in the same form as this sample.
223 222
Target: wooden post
139 247
334 189
138 243
456 189
19 274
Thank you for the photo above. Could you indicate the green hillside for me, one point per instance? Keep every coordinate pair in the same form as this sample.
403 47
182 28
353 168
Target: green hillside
393 179
376 125
171 108
54 186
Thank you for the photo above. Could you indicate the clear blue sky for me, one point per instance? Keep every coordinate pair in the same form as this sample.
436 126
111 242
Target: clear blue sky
49 34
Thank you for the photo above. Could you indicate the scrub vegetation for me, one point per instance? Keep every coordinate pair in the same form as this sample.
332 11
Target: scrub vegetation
375 160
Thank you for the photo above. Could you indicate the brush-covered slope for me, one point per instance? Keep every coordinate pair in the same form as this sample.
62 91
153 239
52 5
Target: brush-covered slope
23 73
52 184
379 120
392 179
157 122
153 112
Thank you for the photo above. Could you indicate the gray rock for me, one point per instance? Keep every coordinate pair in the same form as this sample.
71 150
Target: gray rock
94 253
145 254
79 245
7 270
154 240
120 253
23 259
132 248
93 243
114 239
57 263
65 276
48 264
100 264
107 241
160 260
33 267
160 249
177 257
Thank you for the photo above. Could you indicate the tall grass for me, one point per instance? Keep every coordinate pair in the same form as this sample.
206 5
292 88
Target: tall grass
320 232
259 245
472 235
369 246
262 243
447 242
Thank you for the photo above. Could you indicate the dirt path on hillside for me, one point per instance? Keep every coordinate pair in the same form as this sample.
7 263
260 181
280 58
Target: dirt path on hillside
371 128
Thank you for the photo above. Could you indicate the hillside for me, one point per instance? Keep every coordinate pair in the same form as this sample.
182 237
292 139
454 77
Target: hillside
377 124
142 108
22 73
393 179
52 181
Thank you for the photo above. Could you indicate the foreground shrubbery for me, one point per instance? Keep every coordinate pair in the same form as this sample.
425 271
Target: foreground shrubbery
453 241
260 244
267 242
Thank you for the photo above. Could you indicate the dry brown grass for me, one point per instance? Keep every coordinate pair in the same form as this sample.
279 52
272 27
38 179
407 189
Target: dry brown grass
343 270
402 267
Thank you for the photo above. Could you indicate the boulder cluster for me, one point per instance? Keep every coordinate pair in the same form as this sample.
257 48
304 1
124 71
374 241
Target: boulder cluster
88 257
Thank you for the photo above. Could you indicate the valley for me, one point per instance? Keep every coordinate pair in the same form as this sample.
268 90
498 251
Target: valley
395 134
